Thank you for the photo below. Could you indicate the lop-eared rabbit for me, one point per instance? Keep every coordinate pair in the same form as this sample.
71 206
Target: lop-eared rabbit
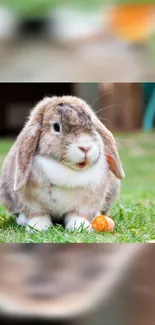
64 165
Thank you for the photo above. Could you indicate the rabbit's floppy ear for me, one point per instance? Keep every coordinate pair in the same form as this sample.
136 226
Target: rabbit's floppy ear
110 149
113 159
27 144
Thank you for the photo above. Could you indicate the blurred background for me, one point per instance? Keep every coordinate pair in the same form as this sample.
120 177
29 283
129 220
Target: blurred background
96 284
96 40
122 107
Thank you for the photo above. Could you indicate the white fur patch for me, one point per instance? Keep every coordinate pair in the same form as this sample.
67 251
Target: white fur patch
39 223
75 223
61 175
21 220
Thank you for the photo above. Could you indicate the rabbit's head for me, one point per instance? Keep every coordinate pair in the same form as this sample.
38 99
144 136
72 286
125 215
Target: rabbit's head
66 130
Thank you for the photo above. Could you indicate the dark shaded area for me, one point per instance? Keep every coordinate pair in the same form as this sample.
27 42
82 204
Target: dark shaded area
36 321
26 95
33 27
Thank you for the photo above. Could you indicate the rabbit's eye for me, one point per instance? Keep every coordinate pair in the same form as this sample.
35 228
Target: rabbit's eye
56 127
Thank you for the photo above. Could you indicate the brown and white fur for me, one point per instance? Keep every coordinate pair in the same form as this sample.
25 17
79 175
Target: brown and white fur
58 166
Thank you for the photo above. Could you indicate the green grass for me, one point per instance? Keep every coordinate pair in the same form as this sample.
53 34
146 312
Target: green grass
39 8
134 213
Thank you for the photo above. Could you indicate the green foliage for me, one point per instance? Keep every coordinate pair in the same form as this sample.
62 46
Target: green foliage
151 48
31 8
39 8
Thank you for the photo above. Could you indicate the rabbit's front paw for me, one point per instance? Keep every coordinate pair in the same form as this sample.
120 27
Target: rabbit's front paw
38 223
21 220
76 223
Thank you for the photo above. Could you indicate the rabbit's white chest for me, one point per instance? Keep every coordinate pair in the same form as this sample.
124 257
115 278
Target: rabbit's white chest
82 192
83 201
62 201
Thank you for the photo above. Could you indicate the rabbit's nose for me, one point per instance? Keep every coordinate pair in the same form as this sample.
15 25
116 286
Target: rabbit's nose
85 149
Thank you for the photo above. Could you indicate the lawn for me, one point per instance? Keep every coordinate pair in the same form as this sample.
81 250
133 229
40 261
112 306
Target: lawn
134 213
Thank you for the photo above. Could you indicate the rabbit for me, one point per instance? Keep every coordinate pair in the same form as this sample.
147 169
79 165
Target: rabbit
64 165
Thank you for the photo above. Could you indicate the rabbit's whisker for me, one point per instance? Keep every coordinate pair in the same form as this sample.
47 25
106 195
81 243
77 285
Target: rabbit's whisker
104 119
103 108
98 98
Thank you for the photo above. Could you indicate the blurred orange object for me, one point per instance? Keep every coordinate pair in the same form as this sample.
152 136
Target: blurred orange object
133 22
103 223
